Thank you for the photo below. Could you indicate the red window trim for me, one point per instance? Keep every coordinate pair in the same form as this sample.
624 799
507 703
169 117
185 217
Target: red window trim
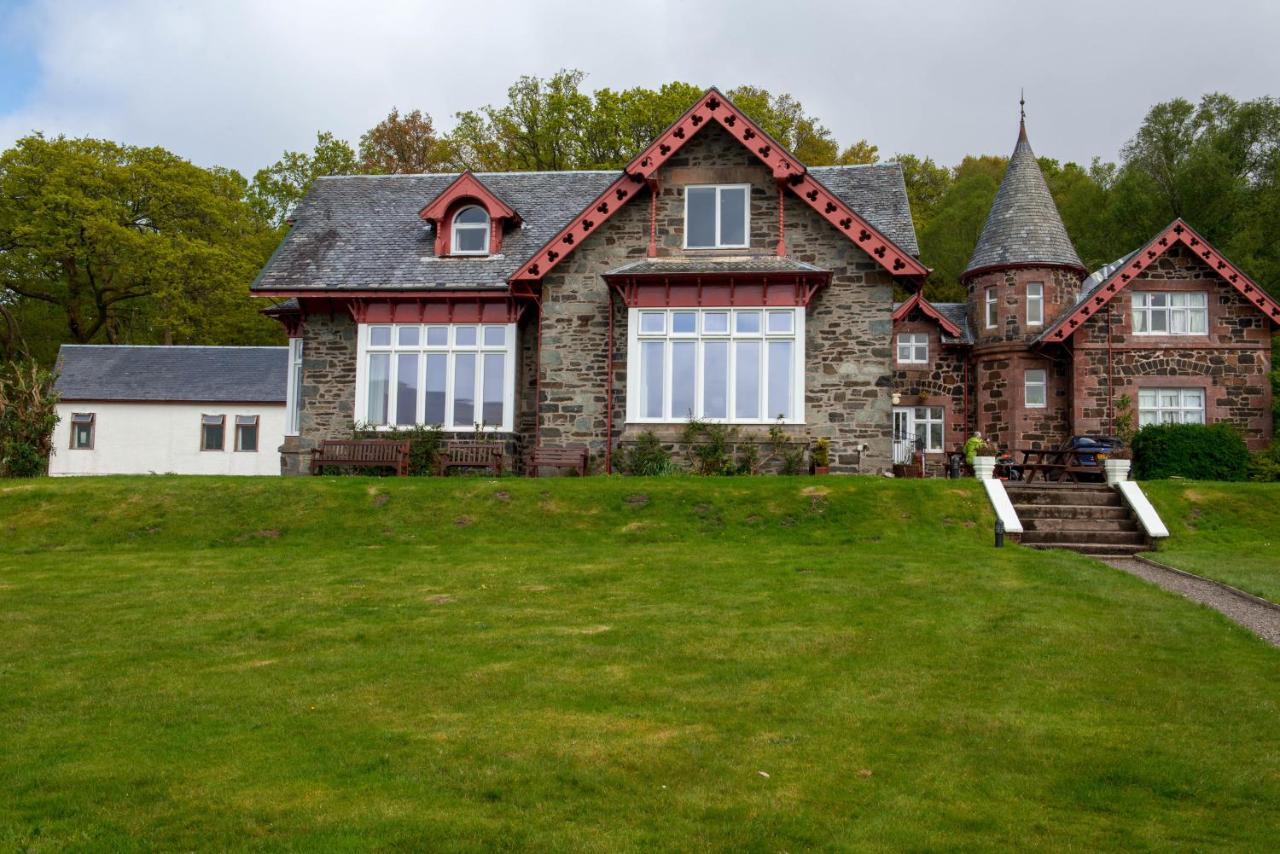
464 191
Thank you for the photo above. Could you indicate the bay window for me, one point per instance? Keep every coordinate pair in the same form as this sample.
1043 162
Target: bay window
456 376
1170 313
717 217
743 366
1170 406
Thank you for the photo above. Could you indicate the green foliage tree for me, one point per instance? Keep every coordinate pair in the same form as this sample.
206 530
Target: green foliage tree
278 188
403 144
28 414
126 244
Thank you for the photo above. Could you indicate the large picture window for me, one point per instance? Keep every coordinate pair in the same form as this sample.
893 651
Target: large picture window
743 366
1170 406
717 217
1170 313
456 376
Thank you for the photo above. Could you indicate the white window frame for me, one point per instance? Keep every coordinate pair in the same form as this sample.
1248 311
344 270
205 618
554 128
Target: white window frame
746 215
990 302
422 349
913 343
1029 381
1142 311
293 389
635 338
1035 298
1153 409
455 227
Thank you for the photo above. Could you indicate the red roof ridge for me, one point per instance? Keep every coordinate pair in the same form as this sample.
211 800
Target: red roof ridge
917 300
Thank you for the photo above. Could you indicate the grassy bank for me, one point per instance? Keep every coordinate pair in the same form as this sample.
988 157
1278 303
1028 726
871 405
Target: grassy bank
764 664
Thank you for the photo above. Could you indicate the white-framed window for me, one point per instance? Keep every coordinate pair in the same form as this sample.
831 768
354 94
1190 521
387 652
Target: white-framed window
213 430
247 433
1170 406
990 303
1170 313
1035 303
82 428
470 232
740 366
1034 388
293 390
455 375
917 426
717 216
913 348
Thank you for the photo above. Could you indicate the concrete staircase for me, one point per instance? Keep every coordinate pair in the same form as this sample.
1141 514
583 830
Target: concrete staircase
1087 518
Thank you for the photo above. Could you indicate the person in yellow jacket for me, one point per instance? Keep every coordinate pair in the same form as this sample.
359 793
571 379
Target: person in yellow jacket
971 446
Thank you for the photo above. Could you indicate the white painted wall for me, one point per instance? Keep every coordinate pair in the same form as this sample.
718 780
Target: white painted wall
164 438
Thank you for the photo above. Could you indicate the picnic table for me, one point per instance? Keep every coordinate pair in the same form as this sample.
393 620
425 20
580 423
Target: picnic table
1056 464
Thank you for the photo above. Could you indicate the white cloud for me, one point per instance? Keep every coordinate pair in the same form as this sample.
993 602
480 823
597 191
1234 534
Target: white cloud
236 82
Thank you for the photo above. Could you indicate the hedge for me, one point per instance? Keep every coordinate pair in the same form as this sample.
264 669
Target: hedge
1197 451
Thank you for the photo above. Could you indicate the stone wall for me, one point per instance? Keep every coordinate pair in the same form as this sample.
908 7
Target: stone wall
941 382
1061 288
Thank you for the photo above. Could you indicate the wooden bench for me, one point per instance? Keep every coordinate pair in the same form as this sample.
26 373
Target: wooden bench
362 454
574 458
470 455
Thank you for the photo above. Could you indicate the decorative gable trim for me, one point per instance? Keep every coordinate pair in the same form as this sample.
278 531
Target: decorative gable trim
1177 232
789 172
917 300
467 188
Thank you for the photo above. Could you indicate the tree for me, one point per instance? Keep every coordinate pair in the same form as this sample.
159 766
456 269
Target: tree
28 414
278 188
126 244
403 145
927 184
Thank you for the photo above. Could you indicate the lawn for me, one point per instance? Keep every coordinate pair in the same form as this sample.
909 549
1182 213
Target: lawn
603 664
1226 531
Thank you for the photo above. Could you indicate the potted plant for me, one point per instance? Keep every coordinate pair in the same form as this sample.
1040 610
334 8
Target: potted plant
822 456
984 461
1116 465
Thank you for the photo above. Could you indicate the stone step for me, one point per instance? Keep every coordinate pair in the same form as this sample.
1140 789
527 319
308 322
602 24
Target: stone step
1095 549
1070 511
1057 523
1135 538
1099 498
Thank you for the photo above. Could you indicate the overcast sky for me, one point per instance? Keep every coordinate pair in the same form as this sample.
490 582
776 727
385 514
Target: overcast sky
235 82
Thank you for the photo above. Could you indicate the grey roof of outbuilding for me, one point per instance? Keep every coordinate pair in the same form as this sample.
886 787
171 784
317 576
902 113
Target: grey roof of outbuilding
1024 226
173 374
364 232
957 313
745 264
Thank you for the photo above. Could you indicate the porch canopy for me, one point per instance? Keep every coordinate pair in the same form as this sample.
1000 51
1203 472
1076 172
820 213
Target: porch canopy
717 282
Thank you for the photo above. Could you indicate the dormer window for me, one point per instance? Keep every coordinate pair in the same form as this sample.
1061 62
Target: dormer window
717 217
471 231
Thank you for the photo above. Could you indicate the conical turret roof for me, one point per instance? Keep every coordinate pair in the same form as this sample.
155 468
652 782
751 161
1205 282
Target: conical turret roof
1024 227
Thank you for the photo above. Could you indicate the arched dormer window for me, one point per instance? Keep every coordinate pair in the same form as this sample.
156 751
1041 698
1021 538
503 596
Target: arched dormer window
470 232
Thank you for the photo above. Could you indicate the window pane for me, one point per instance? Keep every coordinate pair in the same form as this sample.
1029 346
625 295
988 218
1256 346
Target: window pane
733 212
1193 398
700 217
84 436
407 336
715 379
779 379
464 336
780 321
1159 320
470 239
464 388
653 322
1139 320
747 379
684 322
1197 322
472 215
437 373
495 336
652 356
380 336
247 438
437 336
684 356
715 322
212 437
379 378
747 322
494 370
407 388
1157 299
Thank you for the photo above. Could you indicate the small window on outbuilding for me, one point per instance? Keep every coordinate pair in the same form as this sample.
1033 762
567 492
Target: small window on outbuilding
246 433
82 431
212 432
471 231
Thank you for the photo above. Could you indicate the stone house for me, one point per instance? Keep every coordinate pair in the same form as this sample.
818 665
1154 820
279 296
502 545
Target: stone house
1041 351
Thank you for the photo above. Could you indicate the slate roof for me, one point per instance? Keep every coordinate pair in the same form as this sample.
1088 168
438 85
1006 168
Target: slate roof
172 374
957 313
746 264
1024 226
364 232
1091 284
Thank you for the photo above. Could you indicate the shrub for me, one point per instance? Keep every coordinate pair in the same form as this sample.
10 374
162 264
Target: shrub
1265 465
822 453
424 445
709 446
28 414
647 457
1199 451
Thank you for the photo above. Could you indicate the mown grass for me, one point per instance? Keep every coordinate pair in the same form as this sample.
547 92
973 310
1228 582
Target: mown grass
1226 531
603 664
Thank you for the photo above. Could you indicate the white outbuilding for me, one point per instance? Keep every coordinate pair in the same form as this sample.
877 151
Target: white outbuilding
169 410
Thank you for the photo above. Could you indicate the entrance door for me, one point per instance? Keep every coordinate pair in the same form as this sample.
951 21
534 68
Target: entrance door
904 434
